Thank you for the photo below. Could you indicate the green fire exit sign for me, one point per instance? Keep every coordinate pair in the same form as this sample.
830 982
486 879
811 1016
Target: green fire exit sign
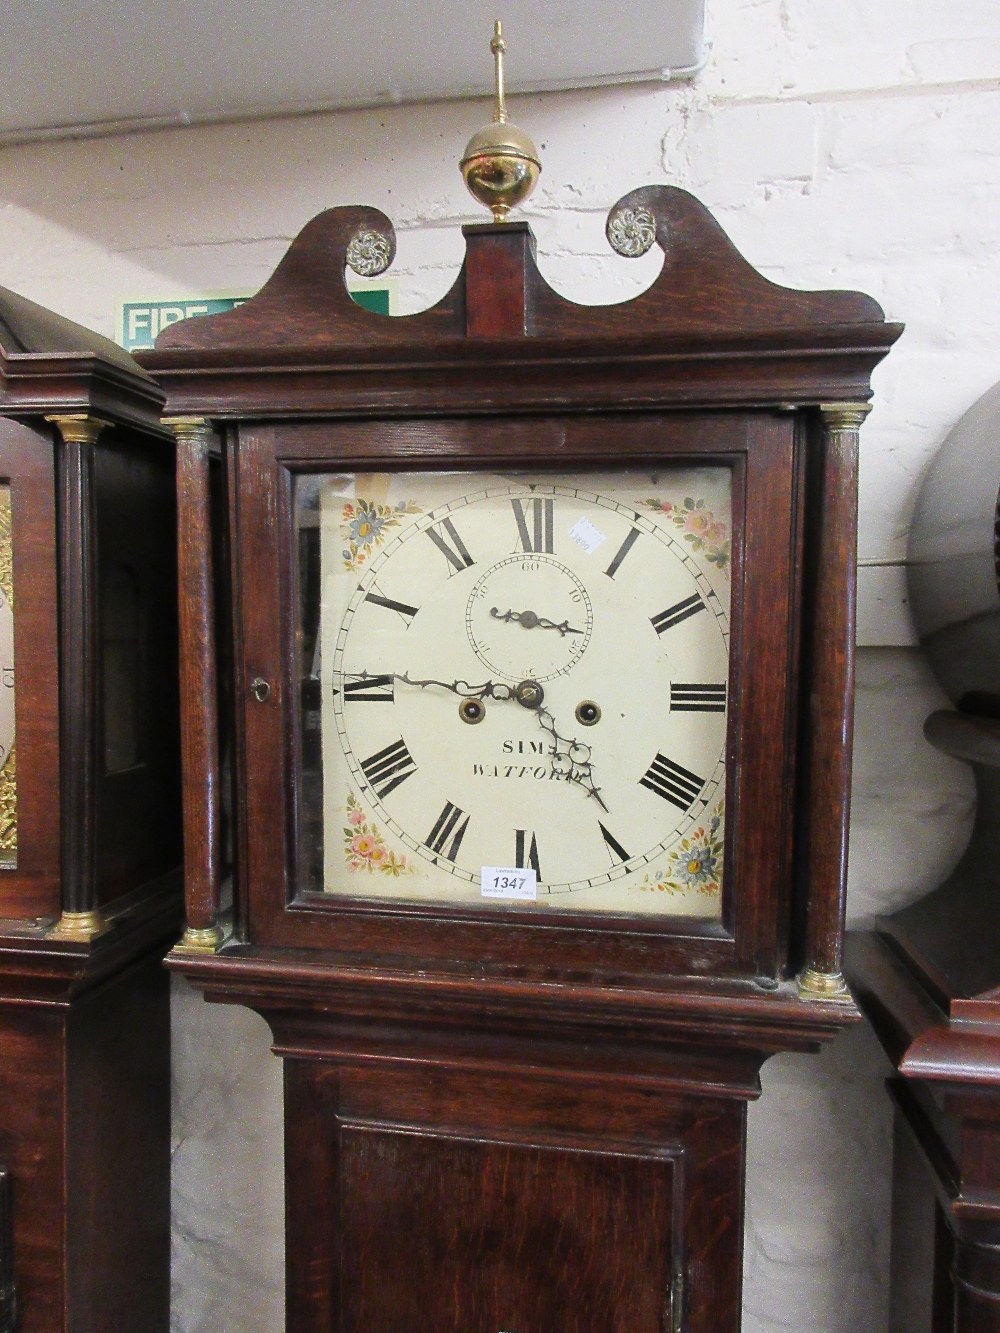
141 321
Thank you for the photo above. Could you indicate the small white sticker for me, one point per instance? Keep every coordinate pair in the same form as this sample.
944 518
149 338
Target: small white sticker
508 882
586 535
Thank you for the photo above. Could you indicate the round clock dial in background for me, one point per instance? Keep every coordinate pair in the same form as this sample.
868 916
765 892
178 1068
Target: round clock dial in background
524 672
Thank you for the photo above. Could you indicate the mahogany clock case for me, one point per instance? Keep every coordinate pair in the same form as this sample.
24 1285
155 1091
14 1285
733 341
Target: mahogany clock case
90 880
708 366
490 1095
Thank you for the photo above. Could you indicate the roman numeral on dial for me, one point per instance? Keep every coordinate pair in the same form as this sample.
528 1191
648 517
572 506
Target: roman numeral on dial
537 537
378 600
613 845
622 552
370 689
686 698
448 826
526 851
451 545
675 784
386 769
675 614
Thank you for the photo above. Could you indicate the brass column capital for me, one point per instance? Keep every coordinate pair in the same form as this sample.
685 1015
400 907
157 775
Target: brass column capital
190 430
844 416
78 427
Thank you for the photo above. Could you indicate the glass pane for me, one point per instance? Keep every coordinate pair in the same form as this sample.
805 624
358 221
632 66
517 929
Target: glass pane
514 688
121 656
8 761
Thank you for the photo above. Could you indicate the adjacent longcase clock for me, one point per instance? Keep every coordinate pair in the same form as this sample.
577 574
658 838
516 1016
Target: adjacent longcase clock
929 977
539 624
89 829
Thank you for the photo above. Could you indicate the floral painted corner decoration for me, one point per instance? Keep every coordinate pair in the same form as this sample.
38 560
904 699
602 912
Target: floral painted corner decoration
694 864
364 525
699 527
364 846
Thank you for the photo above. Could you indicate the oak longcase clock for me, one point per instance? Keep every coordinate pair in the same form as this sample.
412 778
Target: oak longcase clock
532 627
89 829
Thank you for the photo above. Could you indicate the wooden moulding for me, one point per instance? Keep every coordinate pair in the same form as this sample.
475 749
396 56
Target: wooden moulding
709 330
50 365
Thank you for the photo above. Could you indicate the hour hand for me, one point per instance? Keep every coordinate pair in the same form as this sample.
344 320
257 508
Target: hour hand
531 620
570 759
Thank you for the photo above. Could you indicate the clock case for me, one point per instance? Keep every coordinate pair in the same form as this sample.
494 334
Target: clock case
94 899
463 1025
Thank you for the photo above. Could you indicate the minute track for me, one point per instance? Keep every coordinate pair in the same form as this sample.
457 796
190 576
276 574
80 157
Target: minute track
539 774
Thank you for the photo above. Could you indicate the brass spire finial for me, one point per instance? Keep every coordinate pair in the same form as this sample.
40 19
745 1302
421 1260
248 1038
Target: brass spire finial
498 46
500 164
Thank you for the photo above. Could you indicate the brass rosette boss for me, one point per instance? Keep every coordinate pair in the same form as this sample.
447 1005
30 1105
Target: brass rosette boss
500 165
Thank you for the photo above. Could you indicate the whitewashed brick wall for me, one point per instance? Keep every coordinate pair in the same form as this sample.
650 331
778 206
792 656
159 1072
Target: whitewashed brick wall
853 143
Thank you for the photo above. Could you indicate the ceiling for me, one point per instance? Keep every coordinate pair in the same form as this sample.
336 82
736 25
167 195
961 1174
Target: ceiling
97 66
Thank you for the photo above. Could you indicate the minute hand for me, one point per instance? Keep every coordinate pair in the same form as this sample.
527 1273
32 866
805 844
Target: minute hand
488 690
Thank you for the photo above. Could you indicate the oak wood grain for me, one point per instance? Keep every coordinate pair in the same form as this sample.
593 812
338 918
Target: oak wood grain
463 1201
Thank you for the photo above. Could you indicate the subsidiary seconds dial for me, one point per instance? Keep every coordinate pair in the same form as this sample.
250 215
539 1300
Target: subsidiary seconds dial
511 622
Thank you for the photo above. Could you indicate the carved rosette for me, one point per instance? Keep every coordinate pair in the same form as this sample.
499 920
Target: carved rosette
369 253
631 232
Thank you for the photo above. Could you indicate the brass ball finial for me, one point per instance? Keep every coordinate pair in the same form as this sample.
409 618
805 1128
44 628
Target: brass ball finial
500 164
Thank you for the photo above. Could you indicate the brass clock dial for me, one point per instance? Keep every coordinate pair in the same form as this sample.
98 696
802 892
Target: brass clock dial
526 672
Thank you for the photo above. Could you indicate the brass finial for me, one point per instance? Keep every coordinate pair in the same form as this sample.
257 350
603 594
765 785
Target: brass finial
498 46
500 164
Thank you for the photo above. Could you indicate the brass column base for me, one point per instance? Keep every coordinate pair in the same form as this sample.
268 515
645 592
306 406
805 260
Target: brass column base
815 985
79 925
200 939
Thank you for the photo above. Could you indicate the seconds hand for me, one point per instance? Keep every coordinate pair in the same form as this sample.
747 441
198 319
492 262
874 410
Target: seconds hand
531 620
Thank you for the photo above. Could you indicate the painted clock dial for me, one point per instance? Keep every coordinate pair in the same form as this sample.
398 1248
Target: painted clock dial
522 672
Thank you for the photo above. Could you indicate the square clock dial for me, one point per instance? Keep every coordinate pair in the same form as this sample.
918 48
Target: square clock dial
516 688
